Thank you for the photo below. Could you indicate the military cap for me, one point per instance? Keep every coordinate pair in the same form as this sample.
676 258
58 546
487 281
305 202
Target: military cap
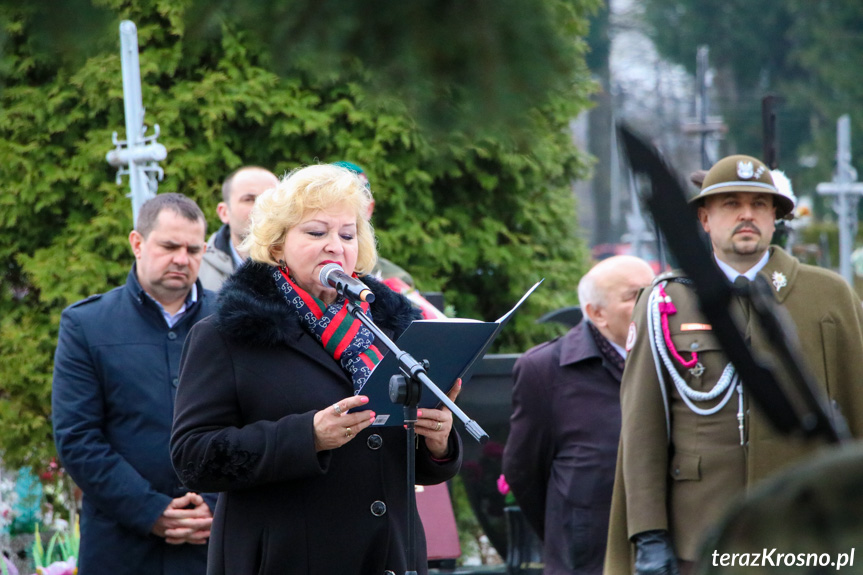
743 174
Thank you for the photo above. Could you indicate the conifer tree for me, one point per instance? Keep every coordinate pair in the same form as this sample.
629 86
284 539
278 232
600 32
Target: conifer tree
478 217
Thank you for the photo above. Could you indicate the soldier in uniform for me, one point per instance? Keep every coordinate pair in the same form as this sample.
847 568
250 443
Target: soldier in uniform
691 440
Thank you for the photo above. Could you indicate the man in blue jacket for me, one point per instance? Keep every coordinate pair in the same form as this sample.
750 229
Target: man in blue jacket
116 371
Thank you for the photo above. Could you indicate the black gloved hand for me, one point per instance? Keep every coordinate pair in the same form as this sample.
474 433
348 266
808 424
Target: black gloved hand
654 554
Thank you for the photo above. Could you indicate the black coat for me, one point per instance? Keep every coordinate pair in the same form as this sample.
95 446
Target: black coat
116 371
561 452
251 382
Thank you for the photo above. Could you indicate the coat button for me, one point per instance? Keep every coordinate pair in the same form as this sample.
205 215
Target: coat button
172 335
175 382
378 508
374 441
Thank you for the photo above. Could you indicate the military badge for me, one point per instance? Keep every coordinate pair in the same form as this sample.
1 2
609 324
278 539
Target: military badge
630 337
779 280
745 170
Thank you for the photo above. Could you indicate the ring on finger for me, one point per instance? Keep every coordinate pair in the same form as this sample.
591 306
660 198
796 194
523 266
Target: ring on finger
348 432
337 408
438 426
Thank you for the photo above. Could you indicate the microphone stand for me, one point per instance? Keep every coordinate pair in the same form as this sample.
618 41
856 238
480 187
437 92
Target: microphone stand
407 390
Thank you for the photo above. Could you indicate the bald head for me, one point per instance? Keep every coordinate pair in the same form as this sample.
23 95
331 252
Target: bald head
608 291
239 192
245 177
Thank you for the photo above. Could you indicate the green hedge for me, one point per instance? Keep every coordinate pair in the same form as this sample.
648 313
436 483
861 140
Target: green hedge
478 218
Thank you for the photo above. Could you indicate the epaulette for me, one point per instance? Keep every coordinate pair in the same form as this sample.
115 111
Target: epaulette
667 276
92 298
673 276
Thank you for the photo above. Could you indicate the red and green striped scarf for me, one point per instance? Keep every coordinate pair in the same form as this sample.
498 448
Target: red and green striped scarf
342 335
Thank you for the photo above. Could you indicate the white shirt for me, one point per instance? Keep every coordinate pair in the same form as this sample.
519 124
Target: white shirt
171 320
732 274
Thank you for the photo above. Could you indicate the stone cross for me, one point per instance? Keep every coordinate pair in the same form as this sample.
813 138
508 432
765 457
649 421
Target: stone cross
847 190
137 155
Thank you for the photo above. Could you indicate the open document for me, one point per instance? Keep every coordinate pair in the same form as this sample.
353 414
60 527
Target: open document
451 346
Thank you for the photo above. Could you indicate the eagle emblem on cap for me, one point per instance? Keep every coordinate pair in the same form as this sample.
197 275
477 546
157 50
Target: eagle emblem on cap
745 170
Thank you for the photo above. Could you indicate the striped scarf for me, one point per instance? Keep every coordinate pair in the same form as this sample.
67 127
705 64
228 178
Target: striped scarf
342 335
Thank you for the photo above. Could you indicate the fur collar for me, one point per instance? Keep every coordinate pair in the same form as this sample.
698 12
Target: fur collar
251 309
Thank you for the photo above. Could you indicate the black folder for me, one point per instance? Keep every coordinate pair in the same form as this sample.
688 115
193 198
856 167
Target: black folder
451 346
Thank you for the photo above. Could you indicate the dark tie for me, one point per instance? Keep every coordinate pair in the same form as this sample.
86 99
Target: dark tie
741 287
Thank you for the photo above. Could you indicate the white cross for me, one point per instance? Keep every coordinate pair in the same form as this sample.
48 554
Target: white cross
847 191
141 153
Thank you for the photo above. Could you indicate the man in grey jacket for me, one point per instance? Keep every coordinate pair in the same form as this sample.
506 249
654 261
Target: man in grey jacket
239 192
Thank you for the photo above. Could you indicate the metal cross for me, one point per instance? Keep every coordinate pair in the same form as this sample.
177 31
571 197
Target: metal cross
138 159
705 126
847 191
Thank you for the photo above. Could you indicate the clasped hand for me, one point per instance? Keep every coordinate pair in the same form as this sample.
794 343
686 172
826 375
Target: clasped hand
187 519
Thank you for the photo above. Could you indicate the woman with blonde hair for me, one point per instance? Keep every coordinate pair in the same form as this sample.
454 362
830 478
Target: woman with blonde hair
266 388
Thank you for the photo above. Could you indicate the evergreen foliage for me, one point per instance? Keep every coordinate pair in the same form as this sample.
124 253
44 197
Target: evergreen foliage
479 219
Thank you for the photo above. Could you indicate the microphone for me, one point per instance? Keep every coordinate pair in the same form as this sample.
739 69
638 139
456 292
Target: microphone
333 276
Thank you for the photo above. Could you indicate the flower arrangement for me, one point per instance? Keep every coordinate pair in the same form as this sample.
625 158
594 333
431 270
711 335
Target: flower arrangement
7 501
29 498
7 567
29 501
65 545
503 489
59 568
61 544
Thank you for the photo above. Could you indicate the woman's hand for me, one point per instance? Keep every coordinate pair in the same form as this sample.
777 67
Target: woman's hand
334 426
435 425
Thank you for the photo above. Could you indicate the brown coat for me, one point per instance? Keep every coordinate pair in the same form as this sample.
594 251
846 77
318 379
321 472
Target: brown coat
684 485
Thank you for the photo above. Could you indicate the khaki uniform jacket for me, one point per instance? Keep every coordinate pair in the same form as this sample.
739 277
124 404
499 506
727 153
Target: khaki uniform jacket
684 484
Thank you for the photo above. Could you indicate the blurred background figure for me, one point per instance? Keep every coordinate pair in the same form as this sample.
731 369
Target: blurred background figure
561 452
393 275
805 520
239 192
